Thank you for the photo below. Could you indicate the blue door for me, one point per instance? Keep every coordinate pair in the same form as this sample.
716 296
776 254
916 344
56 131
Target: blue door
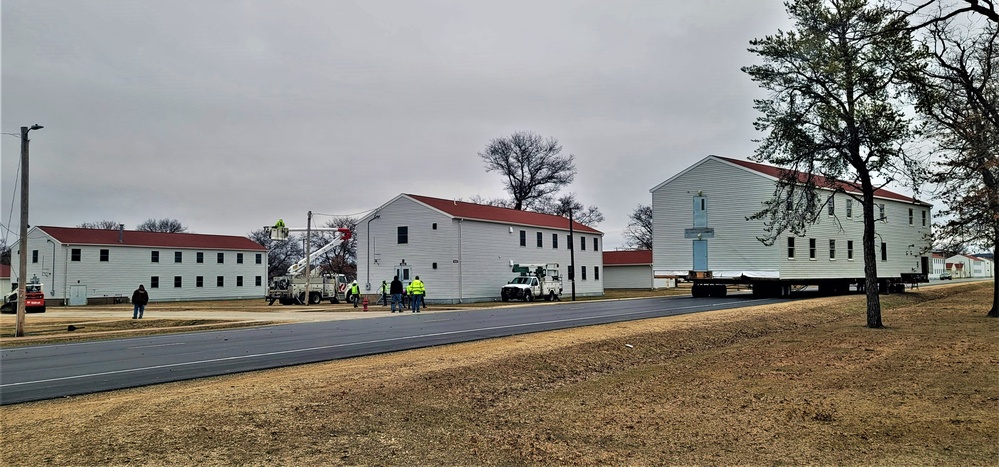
700 255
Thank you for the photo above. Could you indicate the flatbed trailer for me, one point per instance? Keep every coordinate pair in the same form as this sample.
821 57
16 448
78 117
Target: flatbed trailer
706 285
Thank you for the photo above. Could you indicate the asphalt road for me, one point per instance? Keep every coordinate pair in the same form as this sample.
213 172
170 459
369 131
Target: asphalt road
50 371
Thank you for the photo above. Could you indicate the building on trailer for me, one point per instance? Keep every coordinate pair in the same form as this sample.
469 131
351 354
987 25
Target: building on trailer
700 224
80 266
632 269
465 252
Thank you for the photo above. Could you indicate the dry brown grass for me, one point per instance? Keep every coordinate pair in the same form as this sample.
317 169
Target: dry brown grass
796 383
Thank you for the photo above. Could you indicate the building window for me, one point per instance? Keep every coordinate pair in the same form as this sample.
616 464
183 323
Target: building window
568 242
74 254
582 270
831 208
811 248
911 217
884 251
596 244
849 208
523 238
260 258
154 282
881 212
258 281
154 256
849 250
239 281
434 226
555 240
201 257
34 256
596 273
220 281
924 218
220 258
105 255
541 241
790 247
434 266
832 249
177 281
582 243
178 257
402 234
199 281
239 258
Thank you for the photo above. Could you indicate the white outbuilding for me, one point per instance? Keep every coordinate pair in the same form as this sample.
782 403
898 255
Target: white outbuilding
700 223
465 252
77 266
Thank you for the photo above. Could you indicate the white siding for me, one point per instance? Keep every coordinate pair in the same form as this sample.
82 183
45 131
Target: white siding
628 277
129 266
734 193
473 257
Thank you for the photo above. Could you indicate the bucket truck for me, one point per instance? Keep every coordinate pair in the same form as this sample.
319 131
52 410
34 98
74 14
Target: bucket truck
534 281
290 289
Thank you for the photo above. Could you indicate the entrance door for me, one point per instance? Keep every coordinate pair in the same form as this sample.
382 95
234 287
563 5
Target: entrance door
700 255
77 295
404 274
925 265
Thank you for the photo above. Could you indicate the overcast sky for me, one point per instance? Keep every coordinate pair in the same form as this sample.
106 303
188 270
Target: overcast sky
227 115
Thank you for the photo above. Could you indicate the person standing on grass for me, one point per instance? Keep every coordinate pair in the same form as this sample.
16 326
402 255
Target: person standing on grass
396 290
384 291
355 293
416 293
139 300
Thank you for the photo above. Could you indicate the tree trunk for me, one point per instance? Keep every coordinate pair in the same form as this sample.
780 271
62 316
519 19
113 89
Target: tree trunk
871 263
994 312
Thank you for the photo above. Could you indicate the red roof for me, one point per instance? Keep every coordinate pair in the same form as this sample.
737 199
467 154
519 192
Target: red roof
5 271
482 212
819 180
627 257
76 236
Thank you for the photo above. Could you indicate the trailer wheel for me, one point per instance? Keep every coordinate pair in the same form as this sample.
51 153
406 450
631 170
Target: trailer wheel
697 291
720 291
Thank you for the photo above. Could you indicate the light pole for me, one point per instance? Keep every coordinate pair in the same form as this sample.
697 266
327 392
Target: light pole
22 259
52 295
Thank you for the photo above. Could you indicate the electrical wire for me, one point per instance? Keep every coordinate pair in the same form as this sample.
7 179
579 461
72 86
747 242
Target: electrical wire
10 213
357 214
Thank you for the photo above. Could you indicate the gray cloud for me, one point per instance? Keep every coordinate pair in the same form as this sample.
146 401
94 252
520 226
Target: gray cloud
229 114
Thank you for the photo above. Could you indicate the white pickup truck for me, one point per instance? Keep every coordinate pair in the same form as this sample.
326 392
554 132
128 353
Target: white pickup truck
535 281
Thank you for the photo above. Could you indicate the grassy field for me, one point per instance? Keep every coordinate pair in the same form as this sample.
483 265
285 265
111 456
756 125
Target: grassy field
795 383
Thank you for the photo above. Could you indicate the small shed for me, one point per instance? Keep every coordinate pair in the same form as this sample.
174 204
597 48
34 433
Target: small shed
632 269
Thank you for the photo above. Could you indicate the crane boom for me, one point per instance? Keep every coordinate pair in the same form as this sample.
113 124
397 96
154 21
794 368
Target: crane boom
342 235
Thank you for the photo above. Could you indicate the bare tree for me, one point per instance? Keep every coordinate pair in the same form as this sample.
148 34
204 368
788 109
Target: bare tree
281 254
945 10
561 206
833 111
101 225
498 202
4 252
534 167
342 258
638 236
161 225
960 105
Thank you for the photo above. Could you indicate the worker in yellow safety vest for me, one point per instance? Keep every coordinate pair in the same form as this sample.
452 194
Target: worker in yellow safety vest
416 291
355 293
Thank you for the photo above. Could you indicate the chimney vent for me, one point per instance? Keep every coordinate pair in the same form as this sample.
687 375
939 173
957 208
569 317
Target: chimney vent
121 233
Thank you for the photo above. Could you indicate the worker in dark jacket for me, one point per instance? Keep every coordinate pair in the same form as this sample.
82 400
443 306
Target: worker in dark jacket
396 290
139 300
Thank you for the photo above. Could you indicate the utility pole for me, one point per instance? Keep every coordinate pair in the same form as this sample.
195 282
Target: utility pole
308 261
22 260
572 257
